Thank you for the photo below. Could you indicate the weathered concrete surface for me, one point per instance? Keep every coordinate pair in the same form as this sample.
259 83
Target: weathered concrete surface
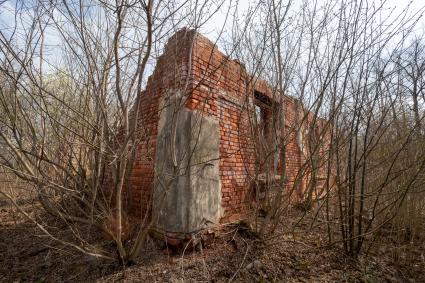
187 191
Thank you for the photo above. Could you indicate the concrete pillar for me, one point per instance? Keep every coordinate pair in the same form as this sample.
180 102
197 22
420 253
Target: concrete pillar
187 191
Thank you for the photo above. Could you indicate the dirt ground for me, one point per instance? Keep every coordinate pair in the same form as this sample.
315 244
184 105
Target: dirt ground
28 256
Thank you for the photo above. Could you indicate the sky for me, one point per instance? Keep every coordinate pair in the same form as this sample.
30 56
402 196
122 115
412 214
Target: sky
243 6
211 29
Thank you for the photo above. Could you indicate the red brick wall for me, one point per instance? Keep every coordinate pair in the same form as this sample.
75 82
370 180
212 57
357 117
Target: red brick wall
221 88
220 91
170 74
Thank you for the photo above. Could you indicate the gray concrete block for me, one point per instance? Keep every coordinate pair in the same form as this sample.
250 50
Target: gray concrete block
187 191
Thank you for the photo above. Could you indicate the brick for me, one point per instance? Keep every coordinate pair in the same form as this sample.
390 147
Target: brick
218 93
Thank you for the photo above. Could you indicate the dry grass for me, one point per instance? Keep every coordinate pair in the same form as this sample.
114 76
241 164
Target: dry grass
299 257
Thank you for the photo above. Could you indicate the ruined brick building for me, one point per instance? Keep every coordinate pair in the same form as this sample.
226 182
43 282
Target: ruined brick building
195 162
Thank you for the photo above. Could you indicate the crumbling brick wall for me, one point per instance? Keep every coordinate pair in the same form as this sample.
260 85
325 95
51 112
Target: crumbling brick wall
223 89
171 72
220 88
